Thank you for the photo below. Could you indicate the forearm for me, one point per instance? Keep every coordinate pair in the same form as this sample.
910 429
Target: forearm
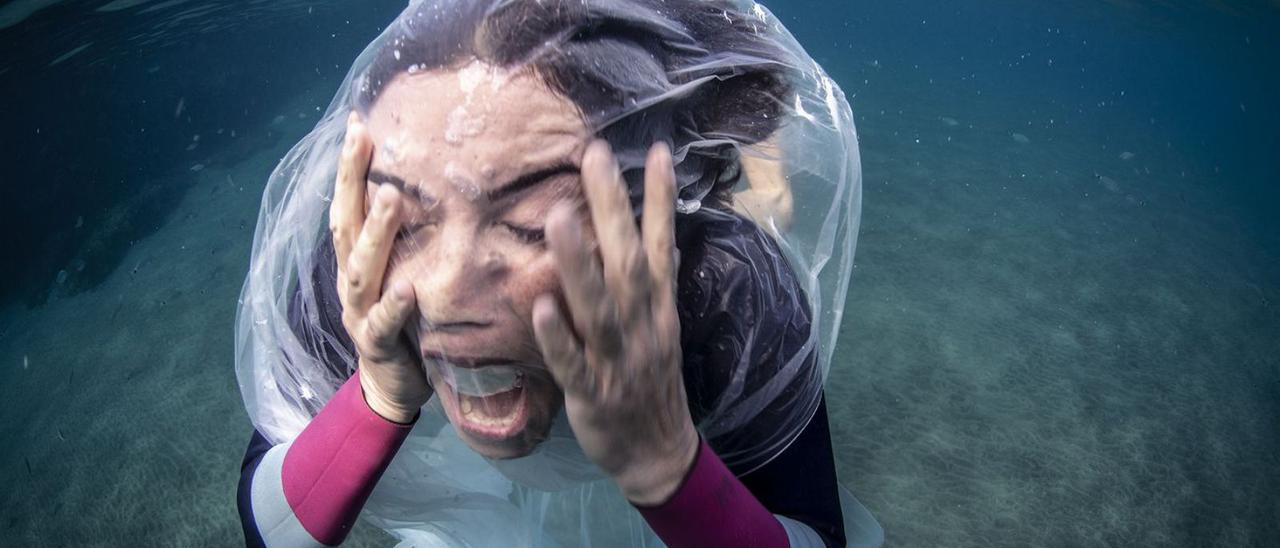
713 508
309 492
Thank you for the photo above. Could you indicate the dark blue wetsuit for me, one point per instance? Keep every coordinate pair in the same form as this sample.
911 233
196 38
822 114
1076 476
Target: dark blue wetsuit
733 281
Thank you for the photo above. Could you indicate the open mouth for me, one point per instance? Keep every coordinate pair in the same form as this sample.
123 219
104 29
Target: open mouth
488 401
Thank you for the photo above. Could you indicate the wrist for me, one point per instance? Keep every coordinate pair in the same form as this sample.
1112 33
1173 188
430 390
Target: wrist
654 482
379 405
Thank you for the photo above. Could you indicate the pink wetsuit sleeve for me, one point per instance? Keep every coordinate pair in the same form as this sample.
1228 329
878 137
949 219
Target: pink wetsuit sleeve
334 464
713 508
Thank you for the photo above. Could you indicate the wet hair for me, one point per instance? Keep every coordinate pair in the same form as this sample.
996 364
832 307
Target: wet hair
636 70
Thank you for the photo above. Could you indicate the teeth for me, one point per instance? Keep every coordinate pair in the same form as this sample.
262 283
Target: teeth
466 405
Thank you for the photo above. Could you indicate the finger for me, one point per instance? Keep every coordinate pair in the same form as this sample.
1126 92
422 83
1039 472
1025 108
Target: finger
346 212
625 269
387 318
592 310
368 261
561 350
658 226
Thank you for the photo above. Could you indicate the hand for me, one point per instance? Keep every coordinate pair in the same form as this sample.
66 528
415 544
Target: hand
395 385
618 357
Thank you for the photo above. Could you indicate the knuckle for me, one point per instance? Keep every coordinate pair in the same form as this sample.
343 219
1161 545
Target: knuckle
377 322
355 280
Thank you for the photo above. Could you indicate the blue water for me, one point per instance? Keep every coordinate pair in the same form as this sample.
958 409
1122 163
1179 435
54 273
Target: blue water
1062 328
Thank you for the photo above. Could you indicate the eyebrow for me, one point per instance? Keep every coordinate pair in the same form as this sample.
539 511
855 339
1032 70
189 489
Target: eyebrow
530 179
514 186
387 178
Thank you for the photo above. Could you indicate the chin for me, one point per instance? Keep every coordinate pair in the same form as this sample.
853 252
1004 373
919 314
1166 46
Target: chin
505 425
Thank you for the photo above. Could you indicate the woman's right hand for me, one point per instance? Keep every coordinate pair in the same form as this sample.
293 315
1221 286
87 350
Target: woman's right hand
395 385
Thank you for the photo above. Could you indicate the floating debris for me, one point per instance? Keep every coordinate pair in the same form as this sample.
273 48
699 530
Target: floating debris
182 103
277 120
192 146
1021 138
949 121
1126 155
62 277
1107 182
197 167
80 221
71 53
26 363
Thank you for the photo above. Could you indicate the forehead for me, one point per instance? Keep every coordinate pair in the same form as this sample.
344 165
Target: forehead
490 121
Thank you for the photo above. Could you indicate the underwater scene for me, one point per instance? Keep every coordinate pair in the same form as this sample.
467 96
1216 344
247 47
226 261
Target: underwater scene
1062 326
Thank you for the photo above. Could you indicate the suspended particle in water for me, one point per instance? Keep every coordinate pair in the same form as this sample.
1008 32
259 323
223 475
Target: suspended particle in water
1126 155
26 363
197 167
80 221
62 277
1021 138
182 103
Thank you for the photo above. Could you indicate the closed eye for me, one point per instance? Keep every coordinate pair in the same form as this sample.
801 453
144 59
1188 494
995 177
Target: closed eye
531 236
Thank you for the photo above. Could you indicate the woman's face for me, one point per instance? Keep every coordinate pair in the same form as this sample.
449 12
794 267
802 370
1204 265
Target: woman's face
481 155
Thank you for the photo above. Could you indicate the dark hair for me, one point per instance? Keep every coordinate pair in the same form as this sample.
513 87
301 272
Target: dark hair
611 58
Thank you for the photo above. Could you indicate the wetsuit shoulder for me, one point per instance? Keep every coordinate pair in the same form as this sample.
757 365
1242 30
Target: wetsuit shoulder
740 302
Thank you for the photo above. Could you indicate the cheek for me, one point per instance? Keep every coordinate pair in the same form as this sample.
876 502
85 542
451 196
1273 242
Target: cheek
403 263
531 279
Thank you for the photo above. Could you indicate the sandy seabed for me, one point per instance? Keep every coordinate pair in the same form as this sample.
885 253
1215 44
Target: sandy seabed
1044 344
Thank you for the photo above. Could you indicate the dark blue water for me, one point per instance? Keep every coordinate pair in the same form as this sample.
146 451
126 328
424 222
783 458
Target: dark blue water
1062 328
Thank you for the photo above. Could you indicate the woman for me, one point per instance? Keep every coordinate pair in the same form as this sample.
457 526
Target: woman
488 336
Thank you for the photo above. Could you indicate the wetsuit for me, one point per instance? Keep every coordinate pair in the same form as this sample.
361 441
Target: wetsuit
733 282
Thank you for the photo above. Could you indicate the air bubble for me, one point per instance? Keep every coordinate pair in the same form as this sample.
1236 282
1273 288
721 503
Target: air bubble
464 184
462 125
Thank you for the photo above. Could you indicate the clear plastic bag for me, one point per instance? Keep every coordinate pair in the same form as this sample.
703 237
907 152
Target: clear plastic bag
767 216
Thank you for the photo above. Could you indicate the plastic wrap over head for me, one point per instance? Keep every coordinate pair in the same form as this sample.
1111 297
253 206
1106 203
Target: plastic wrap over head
768 208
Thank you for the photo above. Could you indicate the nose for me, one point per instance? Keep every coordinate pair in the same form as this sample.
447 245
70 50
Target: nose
458 279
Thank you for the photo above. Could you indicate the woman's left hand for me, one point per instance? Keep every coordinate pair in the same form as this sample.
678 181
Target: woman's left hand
617 356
